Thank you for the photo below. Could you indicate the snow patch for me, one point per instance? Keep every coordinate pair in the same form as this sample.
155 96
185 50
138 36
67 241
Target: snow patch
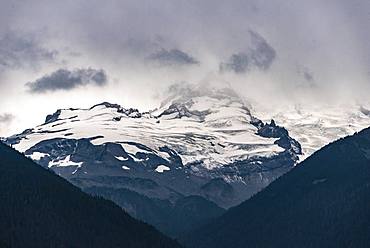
162 168
137 159
64 163
133 149
121 158
37 155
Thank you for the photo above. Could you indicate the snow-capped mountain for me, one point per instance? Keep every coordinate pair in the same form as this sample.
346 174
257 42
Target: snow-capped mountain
316 126
201 141
205 131
198 133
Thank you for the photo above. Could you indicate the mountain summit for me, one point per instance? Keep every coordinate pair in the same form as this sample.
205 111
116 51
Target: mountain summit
202 141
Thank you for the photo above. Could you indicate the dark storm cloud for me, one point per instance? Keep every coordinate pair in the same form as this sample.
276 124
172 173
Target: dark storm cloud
172 57
63 79
19 51
260 56
330 37
238 63
6 118
308 76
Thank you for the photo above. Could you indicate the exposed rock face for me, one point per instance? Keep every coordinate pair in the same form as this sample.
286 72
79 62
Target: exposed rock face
273 131
53 117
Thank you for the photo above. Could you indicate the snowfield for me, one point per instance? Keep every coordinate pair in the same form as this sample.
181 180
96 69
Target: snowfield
316 126
222 136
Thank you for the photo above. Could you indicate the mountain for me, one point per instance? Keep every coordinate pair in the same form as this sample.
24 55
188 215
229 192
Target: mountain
315 126
203 145
323 202
40 209
202 148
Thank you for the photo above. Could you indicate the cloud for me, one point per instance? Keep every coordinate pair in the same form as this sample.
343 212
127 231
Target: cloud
259 56
238 63
6 118
19 51
262 54
328 37
63 79
308 76
172 57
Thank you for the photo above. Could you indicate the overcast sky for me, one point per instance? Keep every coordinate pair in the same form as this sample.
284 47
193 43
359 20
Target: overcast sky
76 53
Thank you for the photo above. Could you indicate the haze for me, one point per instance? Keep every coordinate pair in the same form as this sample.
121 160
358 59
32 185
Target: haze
76 53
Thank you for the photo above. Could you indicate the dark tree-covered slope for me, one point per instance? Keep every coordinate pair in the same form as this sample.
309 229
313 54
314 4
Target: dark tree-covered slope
171 219
322 202
40 209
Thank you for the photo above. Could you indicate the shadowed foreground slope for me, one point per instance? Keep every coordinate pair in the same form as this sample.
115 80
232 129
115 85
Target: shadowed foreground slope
322 202
40 209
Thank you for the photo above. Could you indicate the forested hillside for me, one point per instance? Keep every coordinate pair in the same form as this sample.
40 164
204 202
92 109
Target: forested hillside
322 202
40 209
